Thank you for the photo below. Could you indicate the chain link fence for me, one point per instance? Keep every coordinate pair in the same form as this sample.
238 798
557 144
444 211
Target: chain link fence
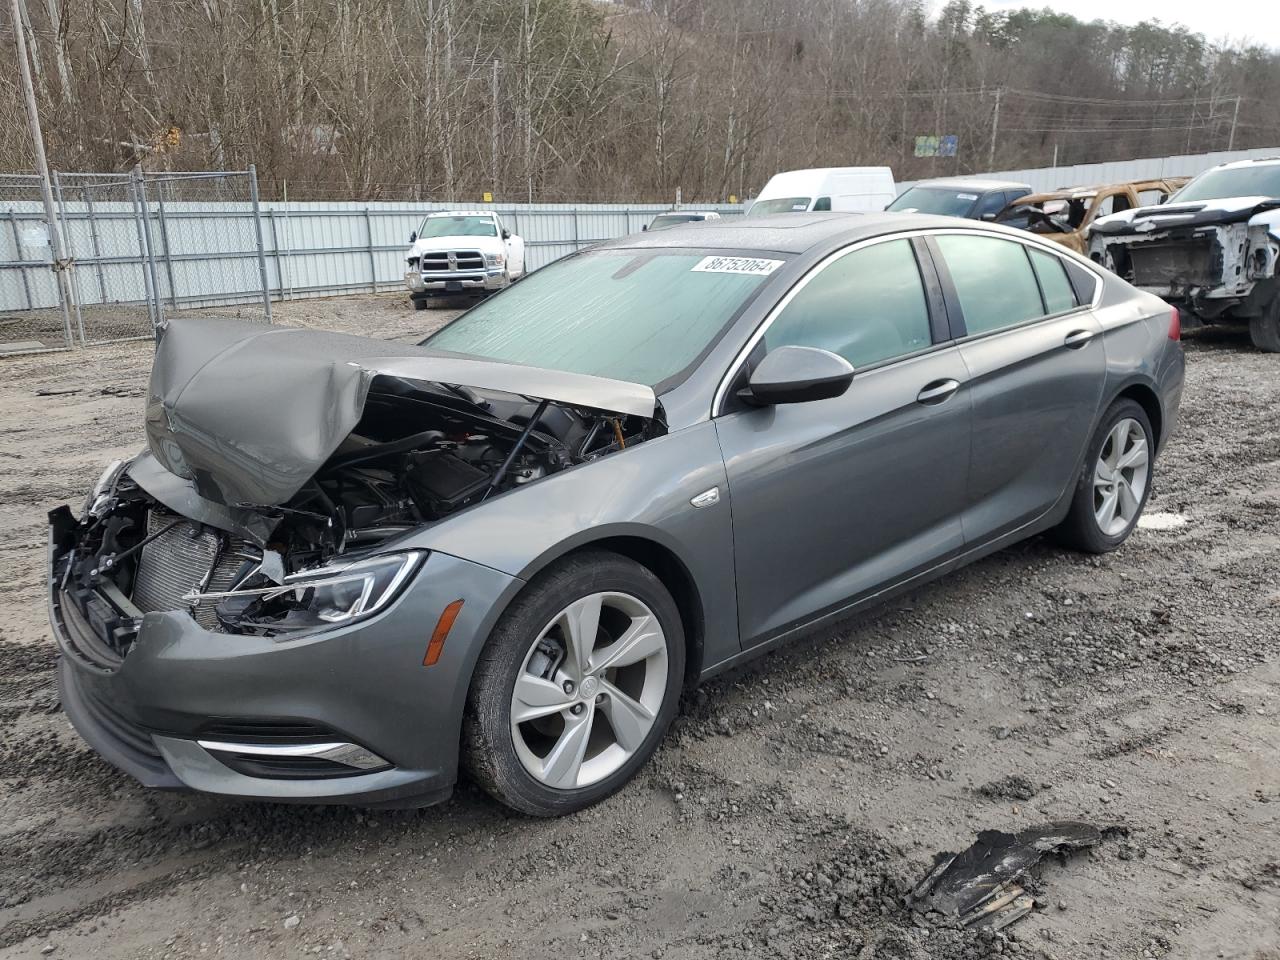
138 246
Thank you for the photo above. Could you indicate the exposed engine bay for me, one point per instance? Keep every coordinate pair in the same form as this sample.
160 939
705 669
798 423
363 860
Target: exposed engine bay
419 453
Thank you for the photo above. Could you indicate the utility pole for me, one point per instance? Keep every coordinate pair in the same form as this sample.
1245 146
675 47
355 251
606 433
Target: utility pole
42 170
493 133
995 127
1235 116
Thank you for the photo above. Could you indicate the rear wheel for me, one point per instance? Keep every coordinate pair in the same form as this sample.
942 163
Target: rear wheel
576 686
1114 484
1264 329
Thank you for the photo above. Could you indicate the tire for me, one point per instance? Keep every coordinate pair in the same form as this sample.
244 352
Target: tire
506 759
420 303
1083 529
1264 329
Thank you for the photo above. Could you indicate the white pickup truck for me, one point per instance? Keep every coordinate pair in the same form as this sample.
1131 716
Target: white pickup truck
461 252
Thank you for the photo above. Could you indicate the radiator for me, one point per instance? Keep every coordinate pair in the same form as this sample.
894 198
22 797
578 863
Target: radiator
186 557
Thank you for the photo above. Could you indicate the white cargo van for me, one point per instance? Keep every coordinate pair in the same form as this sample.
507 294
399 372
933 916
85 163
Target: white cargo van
860 189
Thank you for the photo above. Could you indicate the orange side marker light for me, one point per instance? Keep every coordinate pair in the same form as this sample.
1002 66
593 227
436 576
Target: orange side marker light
441 633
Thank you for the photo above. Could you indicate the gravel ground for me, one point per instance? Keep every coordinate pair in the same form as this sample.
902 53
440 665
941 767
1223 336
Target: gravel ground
794 800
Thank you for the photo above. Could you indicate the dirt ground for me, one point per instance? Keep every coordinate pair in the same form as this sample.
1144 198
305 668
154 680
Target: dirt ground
793 801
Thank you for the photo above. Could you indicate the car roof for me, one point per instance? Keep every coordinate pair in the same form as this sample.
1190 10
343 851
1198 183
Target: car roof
974 184
1258 161
461 213
782 232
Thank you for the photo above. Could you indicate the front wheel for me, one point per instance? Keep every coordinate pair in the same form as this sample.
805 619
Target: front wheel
1115 482
1264 329
576 686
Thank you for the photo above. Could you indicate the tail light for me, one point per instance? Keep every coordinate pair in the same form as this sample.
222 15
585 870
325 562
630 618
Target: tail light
1175 324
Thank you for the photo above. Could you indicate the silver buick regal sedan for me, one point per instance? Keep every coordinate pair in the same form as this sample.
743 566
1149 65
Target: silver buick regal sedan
344 569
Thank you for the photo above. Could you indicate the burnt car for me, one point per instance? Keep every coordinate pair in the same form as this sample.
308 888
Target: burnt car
1065 216
1212 249
344 568
972 199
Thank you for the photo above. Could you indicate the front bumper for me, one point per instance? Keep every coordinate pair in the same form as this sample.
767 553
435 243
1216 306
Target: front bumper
364 685
425 284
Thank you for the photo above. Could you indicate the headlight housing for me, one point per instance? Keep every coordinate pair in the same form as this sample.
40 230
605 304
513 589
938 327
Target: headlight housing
320 598
495 259
99 499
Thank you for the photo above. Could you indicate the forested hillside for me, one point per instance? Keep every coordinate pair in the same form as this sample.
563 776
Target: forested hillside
576 99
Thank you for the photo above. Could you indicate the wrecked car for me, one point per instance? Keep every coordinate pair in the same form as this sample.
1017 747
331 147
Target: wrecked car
344 568
1065 216
1212 249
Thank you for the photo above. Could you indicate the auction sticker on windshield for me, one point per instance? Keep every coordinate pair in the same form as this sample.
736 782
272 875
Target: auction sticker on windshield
749 265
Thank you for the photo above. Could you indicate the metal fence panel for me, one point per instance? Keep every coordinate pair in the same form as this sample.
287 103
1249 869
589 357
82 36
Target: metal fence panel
1045 179
31 315
146 246
138 245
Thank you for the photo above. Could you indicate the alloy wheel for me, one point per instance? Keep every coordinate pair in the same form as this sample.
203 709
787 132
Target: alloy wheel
1120 477
589 691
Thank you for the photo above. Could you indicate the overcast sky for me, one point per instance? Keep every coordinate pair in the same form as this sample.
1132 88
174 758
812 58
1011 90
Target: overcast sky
1256 20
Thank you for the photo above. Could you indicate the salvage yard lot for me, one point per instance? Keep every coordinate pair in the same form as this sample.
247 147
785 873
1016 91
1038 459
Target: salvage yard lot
794 800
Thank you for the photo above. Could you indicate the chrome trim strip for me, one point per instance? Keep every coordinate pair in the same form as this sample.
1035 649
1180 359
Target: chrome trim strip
348 754
1030 240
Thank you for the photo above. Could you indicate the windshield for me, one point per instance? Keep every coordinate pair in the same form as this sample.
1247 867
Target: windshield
464 226
780 205
637 315
945 201
1259 181
671 219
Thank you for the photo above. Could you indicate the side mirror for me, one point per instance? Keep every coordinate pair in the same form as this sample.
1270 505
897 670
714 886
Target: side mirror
413 237
506 234
643 227
793 374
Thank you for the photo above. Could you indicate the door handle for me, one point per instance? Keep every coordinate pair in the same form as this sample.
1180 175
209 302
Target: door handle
937 391
1077 339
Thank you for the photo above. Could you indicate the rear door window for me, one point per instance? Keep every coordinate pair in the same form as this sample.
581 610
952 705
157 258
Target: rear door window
868 306
993 281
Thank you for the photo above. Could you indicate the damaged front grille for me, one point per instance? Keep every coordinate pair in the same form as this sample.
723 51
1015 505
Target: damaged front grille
183 557
1176 263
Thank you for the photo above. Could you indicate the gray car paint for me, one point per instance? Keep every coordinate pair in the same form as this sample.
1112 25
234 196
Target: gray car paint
367 679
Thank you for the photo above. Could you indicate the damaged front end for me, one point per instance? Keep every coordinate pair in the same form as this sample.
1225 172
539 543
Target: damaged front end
284 466
1215 259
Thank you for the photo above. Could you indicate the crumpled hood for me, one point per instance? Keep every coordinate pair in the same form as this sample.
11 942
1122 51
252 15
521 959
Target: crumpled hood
249 412
1193 213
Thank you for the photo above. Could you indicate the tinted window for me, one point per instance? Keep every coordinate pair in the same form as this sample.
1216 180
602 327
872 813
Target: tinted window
993 280
638 315
453 226
780 205
944 201
822 203
1058 295
867 306
991 203
1262 180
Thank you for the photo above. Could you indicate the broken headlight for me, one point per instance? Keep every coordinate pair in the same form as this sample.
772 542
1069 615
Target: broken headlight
99 499
321 597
